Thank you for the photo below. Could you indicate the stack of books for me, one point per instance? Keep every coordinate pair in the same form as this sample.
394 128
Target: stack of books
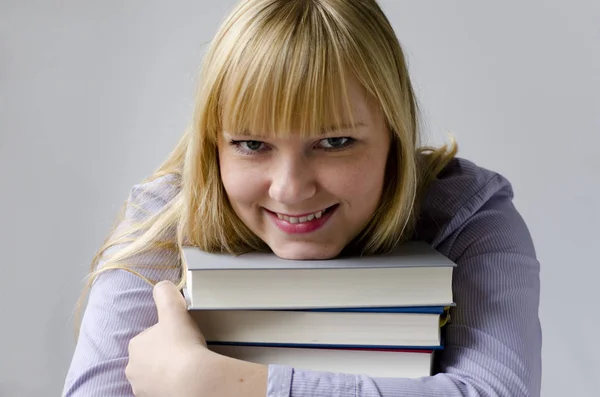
378 315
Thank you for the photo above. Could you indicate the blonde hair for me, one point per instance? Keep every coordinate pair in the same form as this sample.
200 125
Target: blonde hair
281 66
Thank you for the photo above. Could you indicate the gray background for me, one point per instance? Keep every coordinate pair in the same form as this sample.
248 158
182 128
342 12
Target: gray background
94 94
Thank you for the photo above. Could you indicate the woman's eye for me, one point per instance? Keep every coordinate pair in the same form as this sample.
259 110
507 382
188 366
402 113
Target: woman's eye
336 143
248 147
252 145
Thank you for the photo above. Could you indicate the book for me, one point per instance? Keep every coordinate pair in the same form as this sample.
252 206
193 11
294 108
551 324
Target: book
370 362
306 328
377 315
414 274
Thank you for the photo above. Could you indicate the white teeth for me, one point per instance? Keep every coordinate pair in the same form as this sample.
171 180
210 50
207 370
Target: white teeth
302 219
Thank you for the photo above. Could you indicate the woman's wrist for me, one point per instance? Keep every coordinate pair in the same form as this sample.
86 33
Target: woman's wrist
229 377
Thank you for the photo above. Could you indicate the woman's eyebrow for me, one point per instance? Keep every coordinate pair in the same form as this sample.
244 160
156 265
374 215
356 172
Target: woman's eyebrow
341 127
243 133
324 130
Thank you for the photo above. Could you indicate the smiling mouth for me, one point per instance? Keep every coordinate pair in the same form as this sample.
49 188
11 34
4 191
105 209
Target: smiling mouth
304 218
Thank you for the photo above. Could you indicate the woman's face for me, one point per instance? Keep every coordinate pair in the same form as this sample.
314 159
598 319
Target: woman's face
307 198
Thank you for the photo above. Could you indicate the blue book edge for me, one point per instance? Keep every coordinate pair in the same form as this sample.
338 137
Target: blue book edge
408 309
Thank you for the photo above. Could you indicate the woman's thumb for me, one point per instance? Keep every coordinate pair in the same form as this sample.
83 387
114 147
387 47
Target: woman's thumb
170 304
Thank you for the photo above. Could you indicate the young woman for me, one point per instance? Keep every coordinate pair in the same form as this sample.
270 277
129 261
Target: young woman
304 142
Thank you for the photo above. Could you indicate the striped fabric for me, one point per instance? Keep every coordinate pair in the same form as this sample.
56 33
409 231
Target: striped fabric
493 344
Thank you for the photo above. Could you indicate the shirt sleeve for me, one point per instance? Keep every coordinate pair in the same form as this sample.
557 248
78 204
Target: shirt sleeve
120 306
493 342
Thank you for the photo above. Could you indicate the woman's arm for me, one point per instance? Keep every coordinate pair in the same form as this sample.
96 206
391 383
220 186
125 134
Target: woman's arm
120 306
493 344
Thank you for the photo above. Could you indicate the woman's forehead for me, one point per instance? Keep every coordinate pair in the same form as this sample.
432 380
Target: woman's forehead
259 114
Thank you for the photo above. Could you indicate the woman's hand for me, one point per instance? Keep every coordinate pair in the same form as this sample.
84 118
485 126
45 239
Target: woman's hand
171 358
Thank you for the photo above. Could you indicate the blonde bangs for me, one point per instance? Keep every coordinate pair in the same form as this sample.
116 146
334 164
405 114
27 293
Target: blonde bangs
285 74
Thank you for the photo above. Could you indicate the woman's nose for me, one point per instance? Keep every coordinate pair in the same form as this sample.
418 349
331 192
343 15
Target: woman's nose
292 181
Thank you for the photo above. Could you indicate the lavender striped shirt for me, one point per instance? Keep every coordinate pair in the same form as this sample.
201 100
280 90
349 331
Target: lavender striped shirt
493 344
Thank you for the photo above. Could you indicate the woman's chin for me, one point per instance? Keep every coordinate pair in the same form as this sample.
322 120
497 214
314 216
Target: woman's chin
306 251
